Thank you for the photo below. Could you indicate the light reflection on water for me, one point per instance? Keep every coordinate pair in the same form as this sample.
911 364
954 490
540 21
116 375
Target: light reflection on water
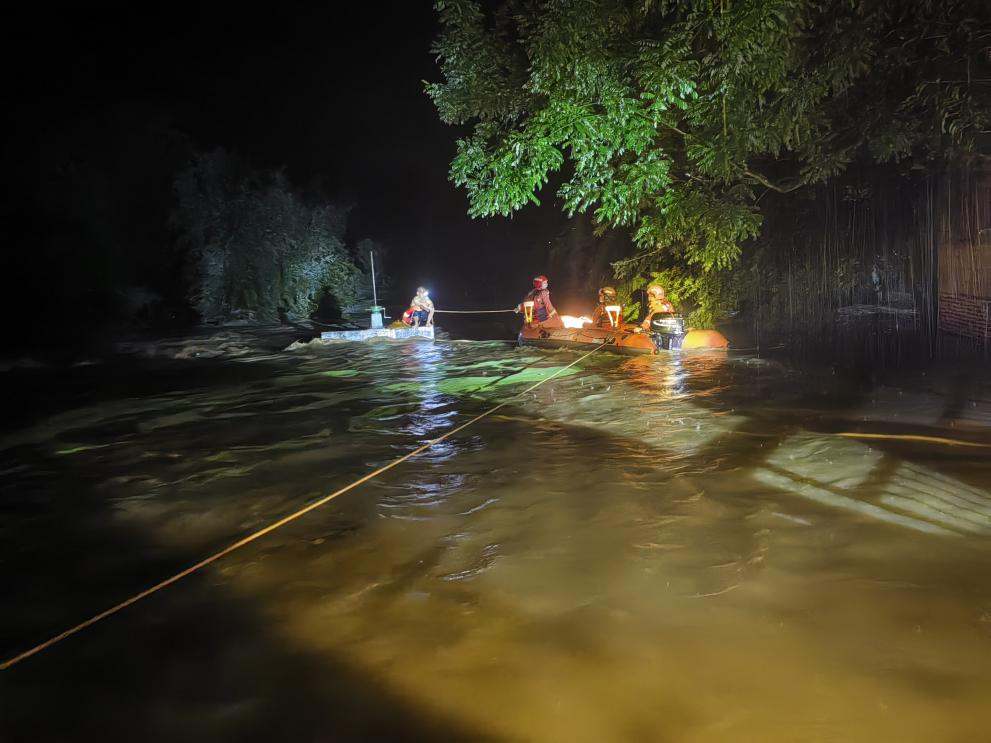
669 548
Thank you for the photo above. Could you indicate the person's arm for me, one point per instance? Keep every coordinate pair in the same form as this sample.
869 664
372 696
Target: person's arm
528 297
646 321
547 303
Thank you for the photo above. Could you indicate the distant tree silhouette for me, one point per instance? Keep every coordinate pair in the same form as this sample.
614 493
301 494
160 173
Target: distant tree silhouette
254 248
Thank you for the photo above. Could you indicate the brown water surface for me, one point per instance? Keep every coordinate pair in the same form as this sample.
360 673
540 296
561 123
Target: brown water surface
678 548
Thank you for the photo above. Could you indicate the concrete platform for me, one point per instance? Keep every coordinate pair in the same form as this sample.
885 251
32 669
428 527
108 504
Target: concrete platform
363 335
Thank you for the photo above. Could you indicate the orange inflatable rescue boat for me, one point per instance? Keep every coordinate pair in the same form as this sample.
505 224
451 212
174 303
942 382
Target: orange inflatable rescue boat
666 333
625 339
703 340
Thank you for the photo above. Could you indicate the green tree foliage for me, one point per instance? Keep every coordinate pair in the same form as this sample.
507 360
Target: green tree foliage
255 248
673 118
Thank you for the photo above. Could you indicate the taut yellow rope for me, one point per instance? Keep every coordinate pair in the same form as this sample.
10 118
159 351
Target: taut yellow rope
278 524
914 437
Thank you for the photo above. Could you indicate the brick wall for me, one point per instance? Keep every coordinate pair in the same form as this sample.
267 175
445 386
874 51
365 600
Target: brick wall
964 315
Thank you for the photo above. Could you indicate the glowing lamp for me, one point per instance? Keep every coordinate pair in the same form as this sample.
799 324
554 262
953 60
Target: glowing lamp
528 312
613 311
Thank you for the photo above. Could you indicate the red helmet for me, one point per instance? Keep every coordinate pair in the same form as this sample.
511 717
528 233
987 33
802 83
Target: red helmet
540 282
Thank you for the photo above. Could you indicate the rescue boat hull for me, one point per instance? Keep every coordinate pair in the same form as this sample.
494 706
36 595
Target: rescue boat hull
704 340
625 340
622 340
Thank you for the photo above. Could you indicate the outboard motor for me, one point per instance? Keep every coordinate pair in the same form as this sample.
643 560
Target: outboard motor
667 331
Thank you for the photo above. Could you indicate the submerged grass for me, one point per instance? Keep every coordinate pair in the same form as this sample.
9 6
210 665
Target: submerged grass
468 385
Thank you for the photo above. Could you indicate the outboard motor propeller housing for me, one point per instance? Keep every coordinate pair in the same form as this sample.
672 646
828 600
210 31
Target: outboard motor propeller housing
667 331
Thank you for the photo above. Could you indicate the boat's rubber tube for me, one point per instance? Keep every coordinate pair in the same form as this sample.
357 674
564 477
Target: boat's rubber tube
624 339
695 339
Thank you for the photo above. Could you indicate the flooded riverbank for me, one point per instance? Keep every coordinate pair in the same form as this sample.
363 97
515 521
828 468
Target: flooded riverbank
685 547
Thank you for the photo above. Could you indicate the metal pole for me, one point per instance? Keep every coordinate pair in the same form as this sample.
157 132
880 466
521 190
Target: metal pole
371 259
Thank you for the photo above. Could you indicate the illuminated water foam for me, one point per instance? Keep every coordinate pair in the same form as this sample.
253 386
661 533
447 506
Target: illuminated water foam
855 477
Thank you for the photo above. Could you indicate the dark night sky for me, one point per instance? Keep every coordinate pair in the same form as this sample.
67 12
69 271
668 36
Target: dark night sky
335 97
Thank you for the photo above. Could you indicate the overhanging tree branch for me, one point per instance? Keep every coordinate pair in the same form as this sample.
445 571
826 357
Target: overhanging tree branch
773 186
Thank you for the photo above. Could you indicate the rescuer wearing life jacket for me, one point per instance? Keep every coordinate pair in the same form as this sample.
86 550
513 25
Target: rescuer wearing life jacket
657 304
600 317
544 313
421 309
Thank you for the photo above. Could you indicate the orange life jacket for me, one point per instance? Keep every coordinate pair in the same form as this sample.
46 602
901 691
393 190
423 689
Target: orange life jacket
539 299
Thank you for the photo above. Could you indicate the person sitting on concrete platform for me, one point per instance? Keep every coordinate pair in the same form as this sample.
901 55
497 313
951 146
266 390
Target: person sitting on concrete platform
421 309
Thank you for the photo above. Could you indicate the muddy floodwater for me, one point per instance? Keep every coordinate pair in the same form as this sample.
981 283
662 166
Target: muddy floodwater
684 547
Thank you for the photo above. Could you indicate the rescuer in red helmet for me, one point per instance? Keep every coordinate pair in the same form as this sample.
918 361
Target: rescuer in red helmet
543 311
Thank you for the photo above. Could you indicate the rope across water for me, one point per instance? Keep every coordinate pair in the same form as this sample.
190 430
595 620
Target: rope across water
472 312
278 524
